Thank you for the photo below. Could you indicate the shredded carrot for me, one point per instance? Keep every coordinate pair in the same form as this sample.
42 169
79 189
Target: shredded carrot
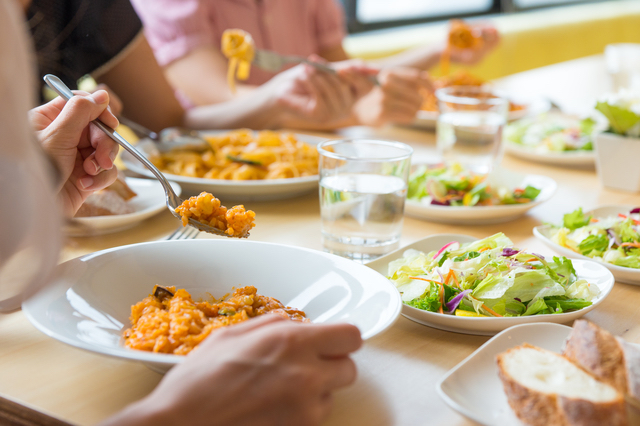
484 249
622 215
441 299
455 279
594 220
424 279
491 311
630 245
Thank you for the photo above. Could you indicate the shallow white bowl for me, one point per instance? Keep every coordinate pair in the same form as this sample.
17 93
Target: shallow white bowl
568 158
89 304
248 190
484 215
622 274
591 271
149 201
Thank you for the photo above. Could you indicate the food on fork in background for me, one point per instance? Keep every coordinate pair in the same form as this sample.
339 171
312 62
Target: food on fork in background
461 36
613 239
489 278
243 155
170 321
239 48
109 201
207 209
452 185
595 381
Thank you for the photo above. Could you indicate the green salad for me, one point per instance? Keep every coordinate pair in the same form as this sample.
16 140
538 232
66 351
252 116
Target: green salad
614 239
552 133
489 278
452 185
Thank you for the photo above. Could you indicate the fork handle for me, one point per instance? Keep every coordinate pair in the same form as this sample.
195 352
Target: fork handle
61 89
326 68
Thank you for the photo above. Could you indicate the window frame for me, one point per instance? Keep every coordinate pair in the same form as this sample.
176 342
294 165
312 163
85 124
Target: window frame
497 7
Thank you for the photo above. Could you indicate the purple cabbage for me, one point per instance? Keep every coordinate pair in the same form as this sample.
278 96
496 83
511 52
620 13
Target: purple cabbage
452 304
636 210
508 252
539 256
440 203
614 238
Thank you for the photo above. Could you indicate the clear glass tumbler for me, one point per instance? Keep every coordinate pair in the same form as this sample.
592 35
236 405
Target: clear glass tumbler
363 186
470 125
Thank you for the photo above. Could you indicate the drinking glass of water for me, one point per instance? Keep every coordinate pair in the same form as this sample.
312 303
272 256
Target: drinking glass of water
363 185
469 127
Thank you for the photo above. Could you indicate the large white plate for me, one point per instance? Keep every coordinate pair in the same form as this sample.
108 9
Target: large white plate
591 271
622 274
149 201
251 190
428 119
567 158
473 387
482 215
89 303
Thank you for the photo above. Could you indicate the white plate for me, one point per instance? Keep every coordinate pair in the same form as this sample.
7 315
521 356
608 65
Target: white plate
567 158
483 215
89 303
250 190
622 274
149 201
428 119
591 271
473 387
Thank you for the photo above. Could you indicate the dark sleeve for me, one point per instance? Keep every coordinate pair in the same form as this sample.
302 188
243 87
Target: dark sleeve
73 38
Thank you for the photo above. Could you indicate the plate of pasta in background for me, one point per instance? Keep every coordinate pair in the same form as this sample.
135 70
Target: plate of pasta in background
246 164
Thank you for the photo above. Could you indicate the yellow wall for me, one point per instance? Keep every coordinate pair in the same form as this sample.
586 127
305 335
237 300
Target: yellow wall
529 39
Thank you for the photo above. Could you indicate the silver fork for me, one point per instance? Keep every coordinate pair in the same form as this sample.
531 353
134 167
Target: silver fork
273 62
184 233
172 199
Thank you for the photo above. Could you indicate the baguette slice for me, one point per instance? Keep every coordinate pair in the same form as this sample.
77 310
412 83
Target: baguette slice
609 359
544 388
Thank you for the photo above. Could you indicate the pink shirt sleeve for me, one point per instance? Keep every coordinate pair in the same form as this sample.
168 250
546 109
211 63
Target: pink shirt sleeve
330 23
174 27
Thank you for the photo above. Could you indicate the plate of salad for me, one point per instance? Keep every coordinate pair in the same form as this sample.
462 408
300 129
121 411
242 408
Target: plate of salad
608 234
462 284
451 194
553 138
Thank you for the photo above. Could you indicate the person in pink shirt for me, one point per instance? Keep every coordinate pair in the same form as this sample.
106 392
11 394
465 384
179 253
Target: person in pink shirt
185 37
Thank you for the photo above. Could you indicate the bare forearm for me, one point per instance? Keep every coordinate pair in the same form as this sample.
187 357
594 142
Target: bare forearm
424 57
258 111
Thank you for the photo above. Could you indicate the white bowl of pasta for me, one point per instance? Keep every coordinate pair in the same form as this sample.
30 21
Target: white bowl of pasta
239 164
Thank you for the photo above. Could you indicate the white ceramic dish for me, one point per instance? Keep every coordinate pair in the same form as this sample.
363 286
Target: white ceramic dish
591 271
149 201
622 274
89 303
568 158
251 190
428 119
473 387
483 215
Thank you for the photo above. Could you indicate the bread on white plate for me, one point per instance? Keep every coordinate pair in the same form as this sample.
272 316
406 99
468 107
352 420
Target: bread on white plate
544 388
608 358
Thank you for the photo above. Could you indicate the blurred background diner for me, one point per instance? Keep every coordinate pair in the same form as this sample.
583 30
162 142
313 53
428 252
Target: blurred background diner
341 132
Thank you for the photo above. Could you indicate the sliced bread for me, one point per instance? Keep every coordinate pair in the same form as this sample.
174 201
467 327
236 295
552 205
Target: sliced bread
545 388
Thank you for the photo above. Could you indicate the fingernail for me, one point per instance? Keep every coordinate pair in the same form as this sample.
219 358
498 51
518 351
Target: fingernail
95 164
112 156
86 182
101 97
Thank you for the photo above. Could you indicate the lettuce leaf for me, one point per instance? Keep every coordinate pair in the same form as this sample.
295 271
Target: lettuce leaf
594 245
575 219
620 119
